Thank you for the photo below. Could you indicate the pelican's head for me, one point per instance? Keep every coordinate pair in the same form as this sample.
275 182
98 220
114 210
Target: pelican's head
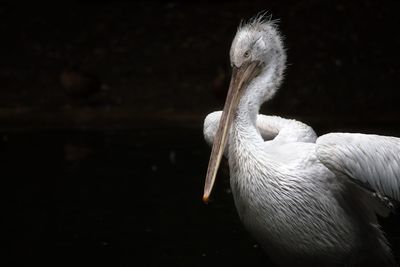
258 61
256 49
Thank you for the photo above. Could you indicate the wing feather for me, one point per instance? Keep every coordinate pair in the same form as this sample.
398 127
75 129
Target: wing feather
373 160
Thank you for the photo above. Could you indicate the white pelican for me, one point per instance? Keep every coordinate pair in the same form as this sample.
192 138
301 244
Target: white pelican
308 201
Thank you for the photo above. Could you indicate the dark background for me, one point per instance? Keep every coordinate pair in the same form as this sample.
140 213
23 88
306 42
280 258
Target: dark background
101 112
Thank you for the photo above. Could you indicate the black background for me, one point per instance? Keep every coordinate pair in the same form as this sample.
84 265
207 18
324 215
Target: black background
101 112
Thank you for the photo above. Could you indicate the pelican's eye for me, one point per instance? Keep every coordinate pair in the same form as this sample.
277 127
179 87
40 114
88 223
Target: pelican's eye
246 54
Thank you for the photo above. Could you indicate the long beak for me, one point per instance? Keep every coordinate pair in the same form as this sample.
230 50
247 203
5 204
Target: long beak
240 79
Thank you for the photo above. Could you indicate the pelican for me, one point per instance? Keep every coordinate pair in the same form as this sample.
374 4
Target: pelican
307 200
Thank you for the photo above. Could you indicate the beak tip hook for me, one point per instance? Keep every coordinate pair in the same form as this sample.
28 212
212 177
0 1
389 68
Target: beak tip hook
205 199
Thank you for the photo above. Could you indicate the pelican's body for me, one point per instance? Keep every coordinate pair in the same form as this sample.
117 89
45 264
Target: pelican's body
292 190
301 212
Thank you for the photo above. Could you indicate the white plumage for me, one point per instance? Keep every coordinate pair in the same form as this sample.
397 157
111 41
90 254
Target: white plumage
295 193
370 159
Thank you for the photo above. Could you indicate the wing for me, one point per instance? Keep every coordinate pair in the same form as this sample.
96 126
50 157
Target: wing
371 160
270 127
210 127
287 130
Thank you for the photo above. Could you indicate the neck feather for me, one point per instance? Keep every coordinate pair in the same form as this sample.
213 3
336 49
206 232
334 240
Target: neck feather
245 141
259 90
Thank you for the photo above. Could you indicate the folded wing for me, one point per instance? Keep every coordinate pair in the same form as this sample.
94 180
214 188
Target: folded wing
371 160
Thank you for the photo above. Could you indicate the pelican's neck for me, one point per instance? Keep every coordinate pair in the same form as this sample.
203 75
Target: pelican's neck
259 90
245 141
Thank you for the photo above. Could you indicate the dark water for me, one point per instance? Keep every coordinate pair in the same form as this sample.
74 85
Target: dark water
117 198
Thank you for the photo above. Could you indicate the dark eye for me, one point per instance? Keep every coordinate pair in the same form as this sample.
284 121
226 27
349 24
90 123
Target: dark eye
246 54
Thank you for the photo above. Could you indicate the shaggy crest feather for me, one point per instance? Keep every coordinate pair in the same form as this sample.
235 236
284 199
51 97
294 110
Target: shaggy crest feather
259 21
